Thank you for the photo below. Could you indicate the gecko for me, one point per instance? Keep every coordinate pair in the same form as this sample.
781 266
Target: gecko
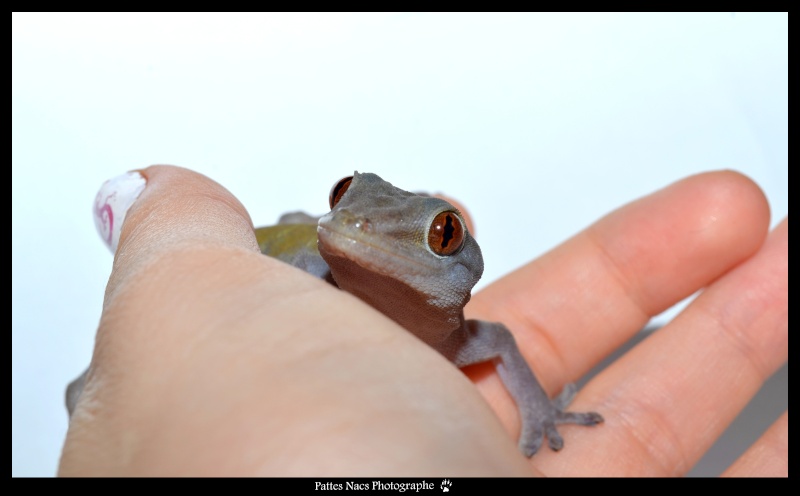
411 257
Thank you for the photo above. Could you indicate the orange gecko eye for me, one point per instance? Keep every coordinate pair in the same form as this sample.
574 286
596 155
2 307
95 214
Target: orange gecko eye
338 190
446 234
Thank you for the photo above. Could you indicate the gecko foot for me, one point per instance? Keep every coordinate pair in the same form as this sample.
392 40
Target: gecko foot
535 429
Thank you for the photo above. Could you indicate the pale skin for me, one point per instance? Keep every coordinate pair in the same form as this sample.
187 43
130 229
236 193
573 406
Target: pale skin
209 362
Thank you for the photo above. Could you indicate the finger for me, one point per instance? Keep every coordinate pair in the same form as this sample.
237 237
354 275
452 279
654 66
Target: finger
768 457
667 400
574 305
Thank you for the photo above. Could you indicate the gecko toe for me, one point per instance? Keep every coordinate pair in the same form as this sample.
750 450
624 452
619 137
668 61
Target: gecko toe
529 443
554 439
587 418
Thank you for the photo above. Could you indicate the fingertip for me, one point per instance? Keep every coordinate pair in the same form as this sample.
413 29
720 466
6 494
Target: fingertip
734 198
182 206
178 209
725 211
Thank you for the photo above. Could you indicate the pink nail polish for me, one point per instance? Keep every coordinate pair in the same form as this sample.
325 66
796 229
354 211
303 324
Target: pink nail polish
112 203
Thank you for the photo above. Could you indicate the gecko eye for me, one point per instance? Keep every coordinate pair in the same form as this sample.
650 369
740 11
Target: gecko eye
338 190
446 234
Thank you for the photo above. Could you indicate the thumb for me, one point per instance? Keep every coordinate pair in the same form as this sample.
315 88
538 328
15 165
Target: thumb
169 227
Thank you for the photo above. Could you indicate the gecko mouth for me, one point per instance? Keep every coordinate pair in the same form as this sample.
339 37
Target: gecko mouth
369 255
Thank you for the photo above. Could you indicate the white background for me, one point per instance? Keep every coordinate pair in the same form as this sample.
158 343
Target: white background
538 123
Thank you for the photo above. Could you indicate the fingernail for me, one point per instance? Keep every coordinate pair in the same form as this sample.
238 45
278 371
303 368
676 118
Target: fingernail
112 203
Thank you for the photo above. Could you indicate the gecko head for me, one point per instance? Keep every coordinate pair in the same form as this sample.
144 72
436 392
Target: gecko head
376 230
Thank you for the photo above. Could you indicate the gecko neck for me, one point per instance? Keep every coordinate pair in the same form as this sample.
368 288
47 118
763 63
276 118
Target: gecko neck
397 300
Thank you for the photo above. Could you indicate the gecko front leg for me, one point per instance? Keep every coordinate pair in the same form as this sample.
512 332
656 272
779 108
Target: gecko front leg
479 341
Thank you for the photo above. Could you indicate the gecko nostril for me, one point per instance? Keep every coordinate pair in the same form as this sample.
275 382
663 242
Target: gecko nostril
353 221
363 225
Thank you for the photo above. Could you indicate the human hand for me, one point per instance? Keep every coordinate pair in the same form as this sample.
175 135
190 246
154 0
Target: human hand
212 359
667 400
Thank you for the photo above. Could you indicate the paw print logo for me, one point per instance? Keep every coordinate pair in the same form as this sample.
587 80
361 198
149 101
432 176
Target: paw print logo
446 485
